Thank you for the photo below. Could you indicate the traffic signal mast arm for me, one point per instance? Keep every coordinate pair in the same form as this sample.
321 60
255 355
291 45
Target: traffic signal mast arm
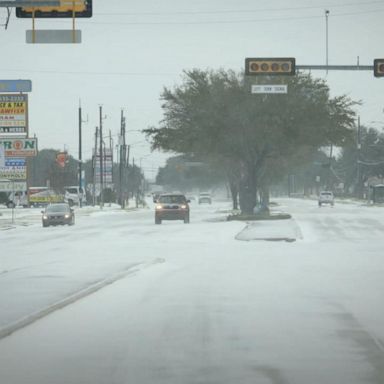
337 67
272 66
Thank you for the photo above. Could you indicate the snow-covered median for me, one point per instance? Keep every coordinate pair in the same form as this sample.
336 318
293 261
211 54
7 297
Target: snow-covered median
273 230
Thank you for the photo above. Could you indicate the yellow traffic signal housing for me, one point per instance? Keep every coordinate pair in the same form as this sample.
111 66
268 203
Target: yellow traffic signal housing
82 8
270 66
378 67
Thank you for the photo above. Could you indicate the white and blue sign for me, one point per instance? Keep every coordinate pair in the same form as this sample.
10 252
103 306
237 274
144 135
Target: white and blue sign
14 162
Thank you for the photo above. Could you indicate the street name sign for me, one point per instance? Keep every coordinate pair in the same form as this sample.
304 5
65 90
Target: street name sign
270 89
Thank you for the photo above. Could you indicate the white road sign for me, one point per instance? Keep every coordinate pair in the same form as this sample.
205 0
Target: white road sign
270 89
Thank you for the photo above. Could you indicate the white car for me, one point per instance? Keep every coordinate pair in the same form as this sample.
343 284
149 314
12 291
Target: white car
205 197
326 197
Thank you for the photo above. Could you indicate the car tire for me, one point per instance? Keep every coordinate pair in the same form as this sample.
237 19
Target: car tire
11 204
319 204
186 219
157 221
45 225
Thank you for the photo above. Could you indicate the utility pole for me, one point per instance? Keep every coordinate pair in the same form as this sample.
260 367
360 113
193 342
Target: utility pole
122 159
94 167
359 188
101 159
127 150
81 187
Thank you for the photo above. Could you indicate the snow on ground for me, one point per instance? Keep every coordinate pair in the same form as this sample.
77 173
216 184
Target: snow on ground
200 306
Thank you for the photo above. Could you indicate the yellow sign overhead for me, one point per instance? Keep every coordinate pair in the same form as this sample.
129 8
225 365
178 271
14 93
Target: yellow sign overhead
65 6
66 9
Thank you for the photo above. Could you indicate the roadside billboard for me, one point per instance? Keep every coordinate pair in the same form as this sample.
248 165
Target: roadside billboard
17 147
13 114
107 167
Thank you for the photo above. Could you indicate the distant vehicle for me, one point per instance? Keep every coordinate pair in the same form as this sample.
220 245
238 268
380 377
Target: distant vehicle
205 197
172 207
42 196
58 214
74 195
326 197
17 198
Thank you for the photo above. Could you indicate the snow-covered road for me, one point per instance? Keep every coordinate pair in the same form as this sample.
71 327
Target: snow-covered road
191 304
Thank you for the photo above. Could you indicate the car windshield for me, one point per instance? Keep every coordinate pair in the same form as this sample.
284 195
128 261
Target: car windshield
203 192
71 190
172 199
57 208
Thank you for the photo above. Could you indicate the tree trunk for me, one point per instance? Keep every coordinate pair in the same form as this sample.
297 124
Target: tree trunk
234 194
264 199
248 190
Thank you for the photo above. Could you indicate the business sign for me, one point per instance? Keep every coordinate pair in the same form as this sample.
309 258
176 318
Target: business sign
269 89
15 86
11 186
15 147
13 169
13 114
62 159
107 167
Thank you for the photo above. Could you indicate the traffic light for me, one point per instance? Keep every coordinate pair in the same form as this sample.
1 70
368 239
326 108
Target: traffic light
378 67
270 66
83 8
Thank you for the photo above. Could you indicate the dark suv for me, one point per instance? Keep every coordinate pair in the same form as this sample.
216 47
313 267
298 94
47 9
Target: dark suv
172 206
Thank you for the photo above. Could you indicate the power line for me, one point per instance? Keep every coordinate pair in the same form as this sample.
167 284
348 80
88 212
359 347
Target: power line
231 11
218 22
146 74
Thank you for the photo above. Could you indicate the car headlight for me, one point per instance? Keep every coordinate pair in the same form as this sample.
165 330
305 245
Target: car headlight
67 216
159 206
45 217
183 206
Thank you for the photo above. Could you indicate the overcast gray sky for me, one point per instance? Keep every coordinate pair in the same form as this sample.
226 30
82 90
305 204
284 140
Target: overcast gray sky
132 49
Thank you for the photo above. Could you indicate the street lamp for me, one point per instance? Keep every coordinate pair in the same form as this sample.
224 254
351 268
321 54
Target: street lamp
326 38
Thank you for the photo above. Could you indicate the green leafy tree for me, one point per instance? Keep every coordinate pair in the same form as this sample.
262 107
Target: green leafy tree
44 170
362 158
184 173
212 114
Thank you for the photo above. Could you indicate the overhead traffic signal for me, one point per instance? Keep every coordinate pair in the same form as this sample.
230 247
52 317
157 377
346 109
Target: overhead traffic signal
378 67
82 8
270 66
